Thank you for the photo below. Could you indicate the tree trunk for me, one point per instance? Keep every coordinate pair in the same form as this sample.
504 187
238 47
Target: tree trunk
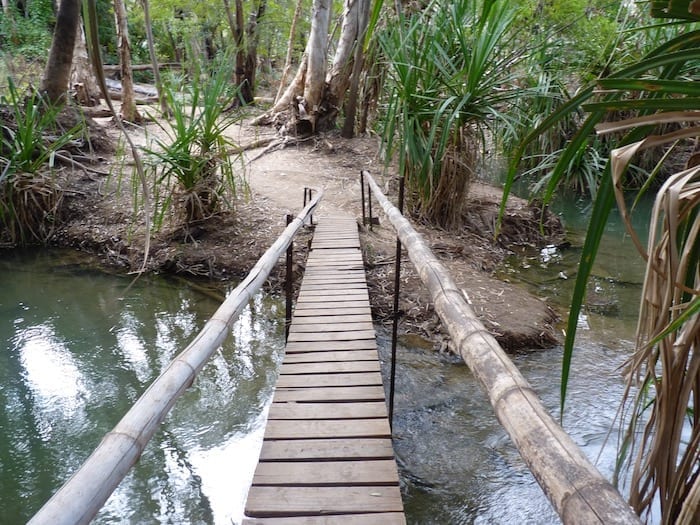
313 97
6 7
165 110
240 48
56 78
128 109
251 59
358 62
316 61
82 77
290 49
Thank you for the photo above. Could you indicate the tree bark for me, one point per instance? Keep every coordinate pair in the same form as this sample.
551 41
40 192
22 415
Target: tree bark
6 7
316 62
165 110
251 59
128 109
357 66
56 79
82 75
290 49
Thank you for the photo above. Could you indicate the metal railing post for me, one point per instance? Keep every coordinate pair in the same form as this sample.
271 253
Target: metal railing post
288 282
395 313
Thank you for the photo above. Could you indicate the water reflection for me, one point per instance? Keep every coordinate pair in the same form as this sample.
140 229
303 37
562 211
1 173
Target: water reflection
79 350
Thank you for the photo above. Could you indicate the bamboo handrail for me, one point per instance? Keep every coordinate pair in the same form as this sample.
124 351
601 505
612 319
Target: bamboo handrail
82 496
576 489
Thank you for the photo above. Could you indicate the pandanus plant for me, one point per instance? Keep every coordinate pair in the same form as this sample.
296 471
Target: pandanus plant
451 79
660 97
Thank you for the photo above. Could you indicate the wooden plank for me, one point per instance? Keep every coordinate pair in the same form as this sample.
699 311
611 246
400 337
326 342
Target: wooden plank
349 393
295 410
322 357
326 346
383 518
324 380
347 318
318 310
295 337
274 501
301 449
333 292
327 473
328 326
334 428
332 367
332 305
334 285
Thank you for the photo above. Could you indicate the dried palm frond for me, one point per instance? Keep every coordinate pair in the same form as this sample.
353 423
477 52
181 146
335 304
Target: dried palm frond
662 439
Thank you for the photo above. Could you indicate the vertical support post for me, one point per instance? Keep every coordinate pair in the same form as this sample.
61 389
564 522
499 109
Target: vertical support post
362 191
309 191
395 325
289 278
369 203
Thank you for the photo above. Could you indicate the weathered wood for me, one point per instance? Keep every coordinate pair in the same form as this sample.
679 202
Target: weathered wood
346 393
327 425
332 367
331 327
81 497
312 428
325 346
271 501
361 308
327 449
335 319
324 357
325 380
326 410
383 518
350 335
578 492
313 473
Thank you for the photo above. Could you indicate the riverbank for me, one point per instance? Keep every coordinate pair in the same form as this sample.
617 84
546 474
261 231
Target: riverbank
100 219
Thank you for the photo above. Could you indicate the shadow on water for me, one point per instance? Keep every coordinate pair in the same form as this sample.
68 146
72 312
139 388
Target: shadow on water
78 351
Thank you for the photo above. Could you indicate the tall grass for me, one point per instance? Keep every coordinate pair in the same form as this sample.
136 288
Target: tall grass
29 140
451 80
194 163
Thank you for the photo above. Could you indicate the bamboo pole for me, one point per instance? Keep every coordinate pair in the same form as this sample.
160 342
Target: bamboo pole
82 496
576 489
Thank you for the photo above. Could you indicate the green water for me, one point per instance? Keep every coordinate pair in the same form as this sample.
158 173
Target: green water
79 349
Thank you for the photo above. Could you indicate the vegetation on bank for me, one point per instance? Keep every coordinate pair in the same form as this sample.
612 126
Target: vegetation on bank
571 92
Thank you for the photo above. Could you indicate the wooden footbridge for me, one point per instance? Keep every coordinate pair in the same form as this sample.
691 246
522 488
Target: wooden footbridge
327 454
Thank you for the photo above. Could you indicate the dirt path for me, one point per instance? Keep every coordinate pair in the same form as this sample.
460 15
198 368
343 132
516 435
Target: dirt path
227 245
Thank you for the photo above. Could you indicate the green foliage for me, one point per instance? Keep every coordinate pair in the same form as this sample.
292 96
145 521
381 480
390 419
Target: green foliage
193 164
29 197
28 34
451 78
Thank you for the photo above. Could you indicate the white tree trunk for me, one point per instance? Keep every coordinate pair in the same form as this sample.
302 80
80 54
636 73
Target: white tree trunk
316 62
290 49
6 7
342 64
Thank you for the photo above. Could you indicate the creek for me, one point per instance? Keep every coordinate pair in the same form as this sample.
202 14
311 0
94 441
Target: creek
80 346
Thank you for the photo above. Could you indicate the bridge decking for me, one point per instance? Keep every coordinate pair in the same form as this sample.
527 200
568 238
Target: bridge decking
327 455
